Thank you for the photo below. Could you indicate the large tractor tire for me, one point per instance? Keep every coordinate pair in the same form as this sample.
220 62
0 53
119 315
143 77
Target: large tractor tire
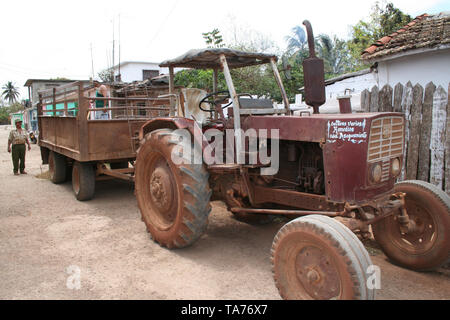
57 167
427 245
83 180
316 257
173 198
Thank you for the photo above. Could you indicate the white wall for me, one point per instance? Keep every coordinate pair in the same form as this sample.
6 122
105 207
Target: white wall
356 85
133 71
418 68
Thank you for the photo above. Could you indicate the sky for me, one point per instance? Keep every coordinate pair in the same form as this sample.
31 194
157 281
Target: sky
48 39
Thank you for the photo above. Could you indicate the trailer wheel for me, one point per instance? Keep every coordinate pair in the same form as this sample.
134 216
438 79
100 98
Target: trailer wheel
426 246
173 198
83 181
316 258
57 167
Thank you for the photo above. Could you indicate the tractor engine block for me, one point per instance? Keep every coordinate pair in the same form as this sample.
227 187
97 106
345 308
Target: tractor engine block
310 169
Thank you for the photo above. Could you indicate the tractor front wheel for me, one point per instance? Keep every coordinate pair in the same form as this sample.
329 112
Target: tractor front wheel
316 257
426 243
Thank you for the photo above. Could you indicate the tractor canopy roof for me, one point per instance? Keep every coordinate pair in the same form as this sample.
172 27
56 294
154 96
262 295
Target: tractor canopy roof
210 59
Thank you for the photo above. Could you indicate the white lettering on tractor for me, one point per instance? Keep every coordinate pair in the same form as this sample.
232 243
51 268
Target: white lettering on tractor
347 131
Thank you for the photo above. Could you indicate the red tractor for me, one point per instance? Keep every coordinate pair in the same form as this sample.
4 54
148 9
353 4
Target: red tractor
336 178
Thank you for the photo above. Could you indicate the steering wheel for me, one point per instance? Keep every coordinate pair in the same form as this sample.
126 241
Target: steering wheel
209 99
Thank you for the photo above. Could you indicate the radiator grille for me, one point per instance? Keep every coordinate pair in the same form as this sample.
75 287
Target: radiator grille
386 139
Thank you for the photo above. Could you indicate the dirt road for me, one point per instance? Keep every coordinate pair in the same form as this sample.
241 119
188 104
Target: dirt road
48 238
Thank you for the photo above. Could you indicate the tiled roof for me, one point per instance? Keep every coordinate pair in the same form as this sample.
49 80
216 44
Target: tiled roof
424 31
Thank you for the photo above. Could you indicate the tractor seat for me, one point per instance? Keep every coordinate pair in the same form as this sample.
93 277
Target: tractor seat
247 103
192 98
258 106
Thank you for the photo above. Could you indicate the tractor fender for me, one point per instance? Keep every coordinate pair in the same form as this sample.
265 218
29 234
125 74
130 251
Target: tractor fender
175 123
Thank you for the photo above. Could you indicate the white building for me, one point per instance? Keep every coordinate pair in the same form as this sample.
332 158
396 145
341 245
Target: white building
348 84
138 71
419 52
351 84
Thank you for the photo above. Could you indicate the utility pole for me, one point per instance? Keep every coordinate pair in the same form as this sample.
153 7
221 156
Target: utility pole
92 63
120 76
112 71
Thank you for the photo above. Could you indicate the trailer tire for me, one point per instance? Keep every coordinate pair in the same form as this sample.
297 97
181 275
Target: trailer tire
173 198
427 247
57 167
83 180
315 258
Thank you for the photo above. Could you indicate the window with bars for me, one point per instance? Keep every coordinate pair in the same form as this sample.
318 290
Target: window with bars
148 74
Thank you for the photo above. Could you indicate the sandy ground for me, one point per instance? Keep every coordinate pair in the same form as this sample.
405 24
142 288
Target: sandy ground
47 238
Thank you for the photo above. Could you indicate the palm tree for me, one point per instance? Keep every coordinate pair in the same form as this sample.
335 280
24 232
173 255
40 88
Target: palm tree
335 54
10 92
296 41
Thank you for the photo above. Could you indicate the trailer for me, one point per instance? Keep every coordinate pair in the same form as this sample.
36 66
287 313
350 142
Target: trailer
78 146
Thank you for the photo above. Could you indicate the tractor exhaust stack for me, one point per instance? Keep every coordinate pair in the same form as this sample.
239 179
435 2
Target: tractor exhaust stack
313 73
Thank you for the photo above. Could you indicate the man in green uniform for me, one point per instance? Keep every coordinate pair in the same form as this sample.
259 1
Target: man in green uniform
101 92
18 138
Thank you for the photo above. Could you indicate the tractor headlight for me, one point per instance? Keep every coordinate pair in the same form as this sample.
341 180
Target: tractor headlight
376 173
395 167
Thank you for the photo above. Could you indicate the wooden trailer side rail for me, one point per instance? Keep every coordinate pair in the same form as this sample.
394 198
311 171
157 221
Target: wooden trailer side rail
82 139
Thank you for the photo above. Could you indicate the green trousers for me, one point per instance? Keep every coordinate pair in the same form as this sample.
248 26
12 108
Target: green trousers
18 155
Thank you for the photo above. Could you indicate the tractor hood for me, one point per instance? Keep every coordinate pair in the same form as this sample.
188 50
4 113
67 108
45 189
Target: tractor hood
323 128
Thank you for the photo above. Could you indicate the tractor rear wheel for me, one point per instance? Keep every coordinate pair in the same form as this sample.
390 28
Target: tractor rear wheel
316 257
83 180
173 198
57 167
426 245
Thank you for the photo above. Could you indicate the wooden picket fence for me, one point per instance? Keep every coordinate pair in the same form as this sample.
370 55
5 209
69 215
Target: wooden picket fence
427 128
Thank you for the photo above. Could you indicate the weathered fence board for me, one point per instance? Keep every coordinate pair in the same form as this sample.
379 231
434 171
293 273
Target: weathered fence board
385 103
406 109
414 133
427 128
374 106
365 101
438 137
398 97
447 145
425 133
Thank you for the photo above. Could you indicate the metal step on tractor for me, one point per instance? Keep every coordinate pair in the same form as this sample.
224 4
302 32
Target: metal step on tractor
334 175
